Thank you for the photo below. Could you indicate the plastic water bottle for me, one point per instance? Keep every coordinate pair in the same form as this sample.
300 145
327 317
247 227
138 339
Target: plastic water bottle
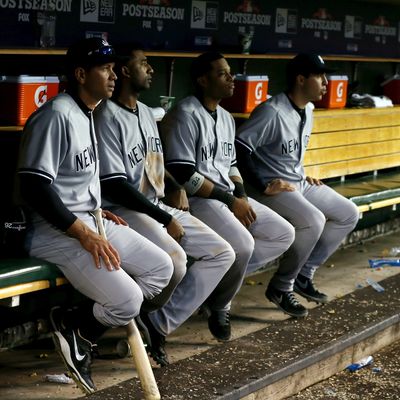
360 364
59 379
394 252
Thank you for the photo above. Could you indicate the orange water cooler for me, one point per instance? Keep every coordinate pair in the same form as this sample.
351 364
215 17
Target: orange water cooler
22 95
250 90
336 94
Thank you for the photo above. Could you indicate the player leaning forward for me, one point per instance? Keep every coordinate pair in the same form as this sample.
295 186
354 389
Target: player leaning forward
59 179
199 146
271 147
132 177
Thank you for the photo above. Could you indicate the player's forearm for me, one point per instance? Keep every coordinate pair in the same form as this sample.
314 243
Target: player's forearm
38 193
211 191
120 191
171 184
79 230
248 168
237 180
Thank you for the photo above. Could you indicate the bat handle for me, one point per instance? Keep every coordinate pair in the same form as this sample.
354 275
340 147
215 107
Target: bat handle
98 214
142 363
139 354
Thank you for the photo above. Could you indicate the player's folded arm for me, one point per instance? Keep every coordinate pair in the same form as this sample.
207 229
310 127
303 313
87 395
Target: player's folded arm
119 191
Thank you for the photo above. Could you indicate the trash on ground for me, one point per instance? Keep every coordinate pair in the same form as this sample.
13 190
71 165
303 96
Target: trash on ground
330 391
360 364
250 282
393 252
377 370
359 286
375 285
61 378
374 263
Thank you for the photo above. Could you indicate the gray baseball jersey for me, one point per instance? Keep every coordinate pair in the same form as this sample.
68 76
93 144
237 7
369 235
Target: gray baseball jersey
274 134
193 137
59 144
132 147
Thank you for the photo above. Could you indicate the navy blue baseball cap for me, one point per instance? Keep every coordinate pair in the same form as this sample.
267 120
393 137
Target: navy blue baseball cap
90 52
306 64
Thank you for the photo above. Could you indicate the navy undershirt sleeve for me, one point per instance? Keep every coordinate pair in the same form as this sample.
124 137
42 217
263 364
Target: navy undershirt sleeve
120 191
247 167
39 194
181 172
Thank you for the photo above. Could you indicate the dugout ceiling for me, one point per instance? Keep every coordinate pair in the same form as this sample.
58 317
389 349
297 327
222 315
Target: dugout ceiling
277 26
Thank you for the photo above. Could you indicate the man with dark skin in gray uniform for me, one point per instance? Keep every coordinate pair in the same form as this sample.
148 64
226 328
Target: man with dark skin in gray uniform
132 176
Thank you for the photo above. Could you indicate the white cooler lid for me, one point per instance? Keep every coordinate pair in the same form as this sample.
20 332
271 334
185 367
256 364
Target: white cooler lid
22 79
241 77
337 78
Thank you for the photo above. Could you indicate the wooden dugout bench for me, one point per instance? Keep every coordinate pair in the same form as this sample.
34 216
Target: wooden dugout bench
356 151
360 148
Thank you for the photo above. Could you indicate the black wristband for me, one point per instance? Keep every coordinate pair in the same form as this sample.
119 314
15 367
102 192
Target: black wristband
221 195
239 190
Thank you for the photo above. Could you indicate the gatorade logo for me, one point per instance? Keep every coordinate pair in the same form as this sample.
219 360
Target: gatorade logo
339 90
259 91
41 95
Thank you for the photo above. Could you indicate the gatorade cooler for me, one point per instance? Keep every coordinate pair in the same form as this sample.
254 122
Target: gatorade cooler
336 94
250 90
24 94
391 89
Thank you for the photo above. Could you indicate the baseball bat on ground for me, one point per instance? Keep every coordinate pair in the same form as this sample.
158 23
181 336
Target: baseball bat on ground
139 354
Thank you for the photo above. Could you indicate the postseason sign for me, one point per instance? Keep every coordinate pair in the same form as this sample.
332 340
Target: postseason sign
254 26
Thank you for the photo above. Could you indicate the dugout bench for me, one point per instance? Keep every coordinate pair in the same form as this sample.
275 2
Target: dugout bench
356 151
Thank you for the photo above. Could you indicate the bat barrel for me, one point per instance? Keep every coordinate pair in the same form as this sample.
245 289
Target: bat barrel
142 363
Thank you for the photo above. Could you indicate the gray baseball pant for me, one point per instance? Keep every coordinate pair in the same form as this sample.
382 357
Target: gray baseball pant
212 257
266 239
322 218
145 268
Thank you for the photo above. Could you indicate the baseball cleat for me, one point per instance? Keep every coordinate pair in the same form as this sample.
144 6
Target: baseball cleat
305 287
286 301
155 341
219 325
76 353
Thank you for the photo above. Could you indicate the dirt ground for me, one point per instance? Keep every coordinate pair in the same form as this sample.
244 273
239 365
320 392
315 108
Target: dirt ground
377 381
23 370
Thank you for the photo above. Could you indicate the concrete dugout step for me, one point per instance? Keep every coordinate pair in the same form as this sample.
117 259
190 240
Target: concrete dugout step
286 356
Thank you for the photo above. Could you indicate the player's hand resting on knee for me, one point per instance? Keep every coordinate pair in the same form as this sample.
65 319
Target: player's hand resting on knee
96 245
177 199
314 181
243 211
112 217
277 186
175 229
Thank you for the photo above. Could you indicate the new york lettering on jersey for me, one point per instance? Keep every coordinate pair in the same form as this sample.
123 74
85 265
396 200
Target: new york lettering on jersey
85 158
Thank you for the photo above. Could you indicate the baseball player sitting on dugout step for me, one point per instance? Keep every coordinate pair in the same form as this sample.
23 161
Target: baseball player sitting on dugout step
271 146
59 179
199 146
132 178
